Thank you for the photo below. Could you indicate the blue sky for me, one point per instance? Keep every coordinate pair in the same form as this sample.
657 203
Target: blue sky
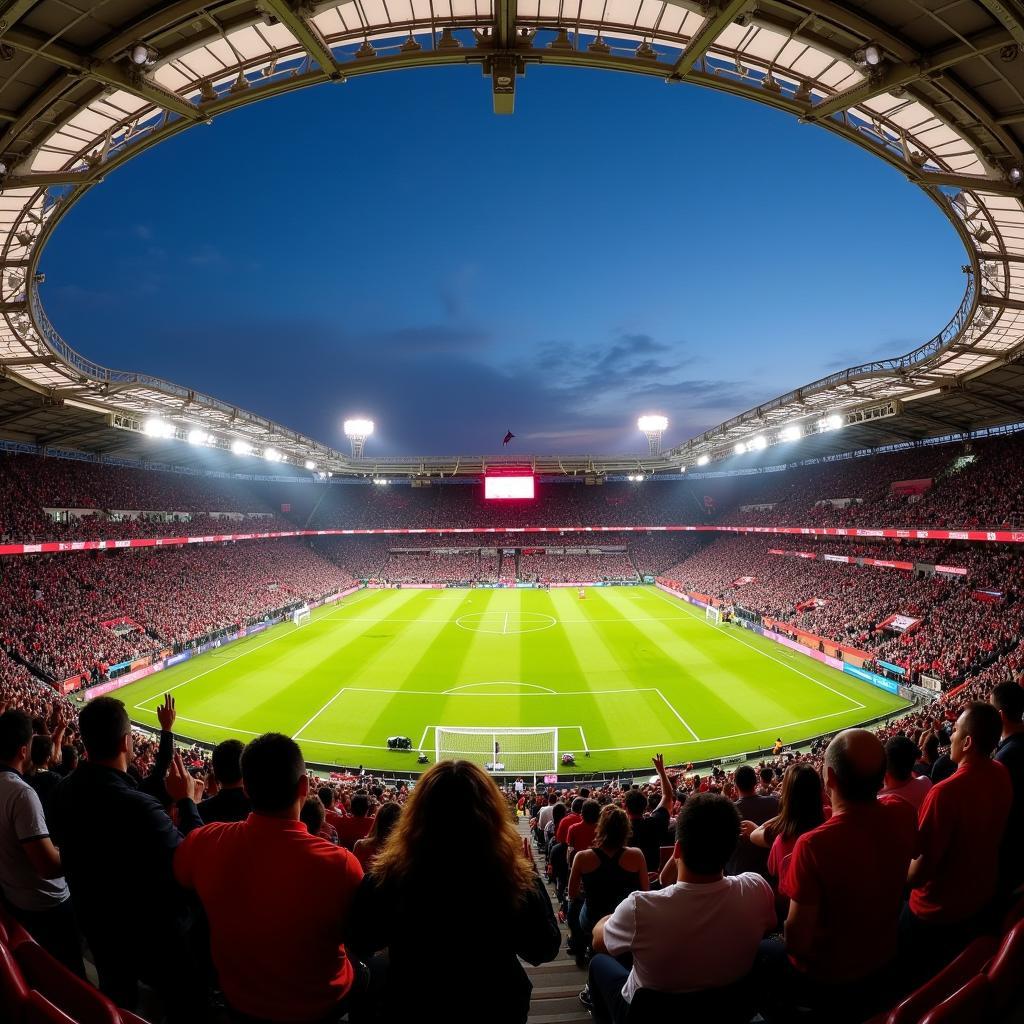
390 247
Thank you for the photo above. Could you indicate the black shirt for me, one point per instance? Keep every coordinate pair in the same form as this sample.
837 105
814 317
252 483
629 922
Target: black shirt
227 805
650 834
1010 753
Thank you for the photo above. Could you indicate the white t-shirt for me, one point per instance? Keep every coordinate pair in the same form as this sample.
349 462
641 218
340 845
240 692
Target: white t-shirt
21 819
690 937
544 816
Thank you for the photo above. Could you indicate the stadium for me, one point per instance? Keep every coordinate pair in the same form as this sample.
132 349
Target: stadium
289 723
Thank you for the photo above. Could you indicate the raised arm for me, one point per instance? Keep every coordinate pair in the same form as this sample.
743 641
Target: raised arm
668 795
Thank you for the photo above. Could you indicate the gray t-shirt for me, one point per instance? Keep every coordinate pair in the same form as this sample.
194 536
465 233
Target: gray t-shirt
21 819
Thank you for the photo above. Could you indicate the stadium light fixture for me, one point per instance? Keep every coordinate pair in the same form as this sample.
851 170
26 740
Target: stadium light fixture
357 431
198 436
872 55
654 427
740 448
156 427
240 447
141 54
272 455
1015 174
381 481
758 444
833 422
682 469
310 464
703 460
637 478
791 433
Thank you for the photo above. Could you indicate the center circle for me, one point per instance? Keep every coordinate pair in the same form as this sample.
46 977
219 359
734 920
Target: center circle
505 623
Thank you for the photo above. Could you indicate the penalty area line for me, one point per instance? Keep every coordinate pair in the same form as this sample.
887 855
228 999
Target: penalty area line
296 735
676 713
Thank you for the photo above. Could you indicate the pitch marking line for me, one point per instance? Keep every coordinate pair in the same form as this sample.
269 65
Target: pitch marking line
732 636
499 682
141 706
550 693
296 735
676 713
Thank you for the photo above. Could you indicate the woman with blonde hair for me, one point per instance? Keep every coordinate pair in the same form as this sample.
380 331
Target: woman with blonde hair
455 901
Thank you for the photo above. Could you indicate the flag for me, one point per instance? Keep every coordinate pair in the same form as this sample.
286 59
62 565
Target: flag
508 437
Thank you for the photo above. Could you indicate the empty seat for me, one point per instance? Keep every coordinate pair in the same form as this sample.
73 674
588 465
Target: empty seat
1006 971
39 1010
13 987
64 989
968 1005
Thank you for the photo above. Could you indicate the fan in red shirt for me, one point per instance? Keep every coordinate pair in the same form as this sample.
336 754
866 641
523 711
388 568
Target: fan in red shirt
961 823
846 880
356 825
574 817
277 898
581 835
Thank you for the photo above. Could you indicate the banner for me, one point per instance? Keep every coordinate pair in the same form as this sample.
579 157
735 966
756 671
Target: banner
987 595
910 487
743 581
899 623
889 667
889 685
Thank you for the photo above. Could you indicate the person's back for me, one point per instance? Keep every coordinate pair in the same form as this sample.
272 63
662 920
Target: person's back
355 826
900 780
231 803
455 916
1008 699
277 898
757 808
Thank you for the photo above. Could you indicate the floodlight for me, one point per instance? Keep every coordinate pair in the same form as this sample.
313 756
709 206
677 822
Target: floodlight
703 460
3 168
310 464
740 448
833 422
872 55
1015 174
654 426
241 447
142 54
357 431
791 433
198 436
758 444
382 481
682 469
272 455
156 427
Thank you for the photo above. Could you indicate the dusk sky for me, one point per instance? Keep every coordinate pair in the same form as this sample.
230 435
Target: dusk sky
391 248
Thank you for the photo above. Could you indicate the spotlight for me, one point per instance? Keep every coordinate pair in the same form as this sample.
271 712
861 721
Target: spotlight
682 469
1015 174
791 433
833 422
872 55
758 444
142 54
241 447
703 460
310 464
198 436
272 455
740 448
156 427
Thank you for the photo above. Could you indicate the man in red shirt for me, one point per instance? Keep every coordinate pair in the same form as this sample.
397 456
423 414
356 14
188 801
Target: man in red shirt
277 898
574 817
357 825
581 835
846 879
961 823
331 814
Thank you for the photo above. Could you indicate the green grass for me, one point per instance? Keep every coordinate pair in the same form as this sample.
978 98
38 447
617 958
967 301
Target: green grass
627 672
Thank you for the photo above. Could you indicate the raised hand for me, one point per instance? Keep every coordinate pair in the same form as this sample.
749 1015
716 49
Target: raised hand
659 763
179 784
166 713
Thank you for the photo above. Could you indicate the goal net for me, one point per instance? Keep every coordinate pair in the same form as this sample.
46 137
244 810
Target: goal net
510 751
713 615
301 615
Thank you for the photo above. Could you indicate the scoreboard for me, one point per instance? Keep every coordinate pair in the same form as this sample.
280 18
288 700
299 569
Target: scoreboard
506 486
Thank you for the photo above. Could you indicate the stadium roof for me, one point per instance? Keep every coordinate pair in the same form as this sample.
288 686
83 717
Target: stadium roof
935 90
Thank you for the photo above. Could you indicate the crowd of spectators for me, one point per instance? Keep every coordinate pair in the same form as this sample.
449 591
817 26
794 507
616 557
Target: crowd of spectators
575 567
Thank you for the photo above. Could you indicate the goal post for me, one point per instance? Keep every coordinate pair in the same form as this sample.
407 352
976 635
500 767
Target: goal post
713 615
501 750
302 615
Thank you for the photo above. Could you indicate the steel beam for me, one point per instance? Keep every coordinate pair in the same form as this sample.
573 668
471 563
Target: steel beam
999 302
893 76
12 11
308 35
713 25
967 182
108 72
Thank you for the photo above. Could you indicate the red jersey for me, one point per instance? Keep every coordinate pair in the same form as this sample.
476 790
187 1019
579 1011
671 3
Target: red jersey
581 835
962 823
562 832
351 828
277 900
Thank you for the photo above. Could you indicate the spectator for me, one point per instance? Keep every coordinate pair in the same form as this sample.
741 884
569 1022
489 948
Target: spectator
309 976
601 878
39 776
230 803
900 781
845 882
651 832
117 845
755 808
581 835
953 879
384 821
1008 699
574 817
31 875
312 816
356 825
545 812
700 933
453 871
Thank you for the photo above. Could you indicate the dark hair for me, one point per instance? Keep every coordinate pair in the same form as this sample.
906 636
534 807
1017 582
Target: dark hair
901 756
15 733
326 795
746 778
584 792
272 767
68 759
983 724
103 723
41 750
227 762
577 804
800 802
385 820
360 804
636 802
612 828
558 812
312 815
591 811
707 830
930 746
1009 698
767 775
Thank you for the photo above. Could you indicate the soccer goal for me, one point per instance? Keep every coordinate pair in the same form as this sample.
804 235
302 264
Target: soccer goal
509 751
301 616
713 615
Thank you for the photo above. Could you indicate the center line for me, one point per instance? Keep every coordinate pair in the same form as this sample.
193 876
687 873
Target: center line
504 628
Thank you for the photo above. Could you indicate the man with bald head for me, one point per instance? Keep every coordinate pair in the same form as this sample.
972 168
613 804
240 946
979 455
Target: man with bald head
846 878
961 823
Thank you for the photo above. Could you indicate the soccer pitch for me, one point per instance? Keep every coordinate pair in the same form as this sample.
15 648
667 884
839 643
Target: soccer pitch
623 674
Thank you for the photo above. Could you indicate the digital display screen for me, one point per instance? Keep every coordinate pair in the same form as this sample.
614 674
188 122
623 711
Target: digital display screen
501 487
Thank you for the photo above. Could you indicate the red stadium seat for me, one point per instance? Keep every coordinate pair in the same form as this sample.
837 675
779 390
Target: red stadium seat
952 977
1006 971
13 987
39 1010
74 996
971 1004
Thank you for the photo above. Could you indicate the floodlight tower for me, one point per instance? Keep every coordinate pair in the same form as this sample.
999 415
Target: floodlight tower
357 431
654 427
